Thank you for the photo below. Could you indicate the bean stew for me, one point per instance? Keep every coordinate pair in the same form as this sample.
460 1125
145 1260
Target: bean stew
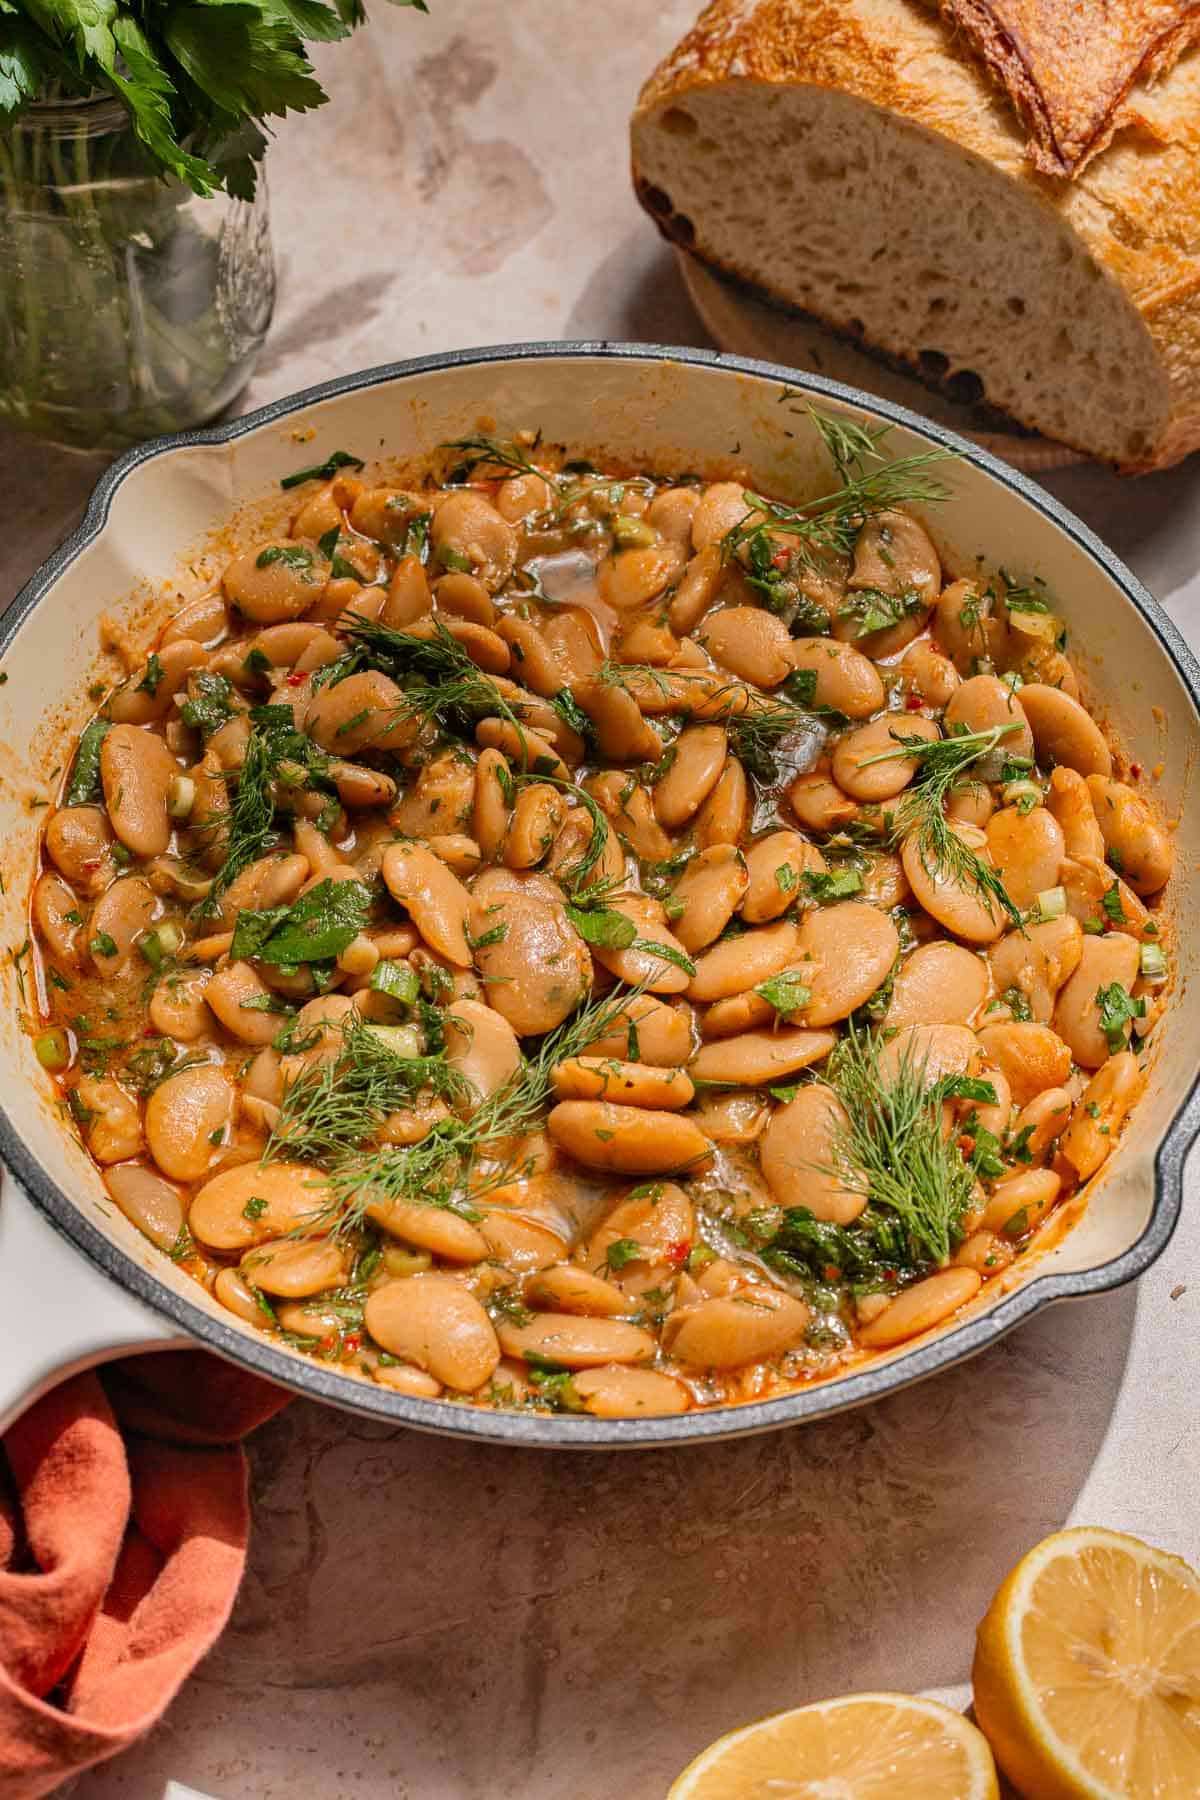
577 939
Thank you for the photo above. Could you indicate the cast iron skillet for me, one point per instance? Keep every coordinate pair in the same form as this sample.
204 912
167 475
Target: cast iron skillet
56 1316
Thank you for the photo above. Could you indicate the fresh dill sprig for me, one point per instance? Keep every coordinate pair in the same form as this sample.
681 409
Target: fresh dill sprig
329 1110
830 525
892 1150
921 814
249 826
441 1169
480 450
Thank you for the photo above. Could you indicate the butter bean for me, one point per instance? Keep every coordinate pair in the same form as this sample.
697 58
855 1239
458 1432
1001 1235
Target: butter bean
56 914
235 1297
429 1227
758 1058
859 775
985 703
482 1046
707 895
755 1324
147 1201
725 815
518 1243
1027 850
294 1195
699 761
1102 961
1063 732
929 1052
939 984
577 1342
1100 1112
895 554
467 525
628 1083
819 803
631 577
614 1392
919 1308
536 819
114 1130
570 1289
79 844
366 711
1045 1119
752 644
203 620
622 734
1071 804
358 787
465 598
697 589
226 994
521 495
1038 961
409 597
732 1117
435 1323
629 1140
123 914
271 881
1131 834
649 1031
927 673
435 900
968 627
798 1156
404 1379
852 949
721 506
961 907
742 962
1020 1202
490 809
641 961
846 681
1031 1056
296 1270
539 970
142 700
660 1219
526 748
775 870
274 581
183 1115
984 1252
136 770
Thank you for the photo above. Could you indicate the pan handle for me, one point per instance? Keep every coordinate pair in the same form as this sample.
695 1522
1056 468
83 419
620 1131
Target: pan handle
58 1313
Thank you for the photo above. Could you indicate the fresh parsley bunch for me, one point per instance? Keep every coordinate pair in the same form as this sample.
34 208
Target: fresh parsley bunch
198 78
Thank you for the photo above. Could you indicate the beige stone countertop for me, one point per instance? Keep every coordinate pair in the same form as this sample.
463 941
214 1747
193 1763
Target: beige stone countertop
430 1620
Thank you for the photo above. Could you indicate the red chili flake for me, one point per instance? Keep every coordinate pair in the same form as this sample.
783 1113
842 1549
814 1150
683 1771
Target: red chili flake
89 868
781 559
889 1274
914 703
832 1272
966 1143
351 1343
149 1031
679 1252
1135 769
327 1343
295 678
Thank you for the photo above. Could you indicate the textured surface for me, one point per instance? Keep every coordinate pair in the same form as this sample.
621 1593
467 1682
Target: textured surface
427 1621
1069 65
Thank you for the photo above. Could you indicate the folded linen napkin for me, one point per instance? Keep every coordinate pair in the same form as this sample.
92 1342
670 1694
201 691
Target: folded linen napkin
123 1527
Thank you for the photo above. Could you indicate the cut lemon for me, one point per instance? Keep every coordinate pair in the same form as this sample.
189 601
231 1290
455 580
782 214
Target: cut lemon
863 1747
1087 1671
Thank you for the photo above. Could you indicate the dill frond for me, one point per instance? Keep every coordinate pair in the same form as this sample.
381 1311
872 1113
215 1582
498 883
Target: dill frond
491 453
892 1150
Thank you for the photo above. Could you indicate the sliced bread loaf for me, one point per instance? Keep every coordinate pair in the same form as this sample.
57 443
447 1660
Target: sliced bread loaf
852 158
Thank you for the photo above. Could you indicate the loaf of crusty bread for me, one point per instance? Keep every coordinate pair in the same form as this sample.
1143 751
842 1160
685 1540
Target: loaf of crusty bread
855 159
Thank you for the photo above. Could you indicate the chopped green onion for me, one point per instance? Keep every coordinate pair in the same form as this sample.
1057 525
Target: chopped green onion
162 943
1154 964
53 1051
396 979
1024 795
181 796
632 534
1052 903
401 1040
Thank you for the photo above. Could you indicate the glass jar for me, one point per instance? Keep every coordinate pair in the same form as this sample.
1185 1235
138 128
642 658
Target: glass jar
129 306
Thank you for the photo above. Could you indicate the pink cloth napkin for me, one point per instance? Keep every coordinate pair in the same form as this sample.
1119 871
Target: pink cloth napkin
123 1530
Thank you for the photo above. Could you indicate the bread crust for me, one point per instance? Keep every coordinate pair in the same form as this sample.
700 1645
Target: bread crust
1135 207
1069 66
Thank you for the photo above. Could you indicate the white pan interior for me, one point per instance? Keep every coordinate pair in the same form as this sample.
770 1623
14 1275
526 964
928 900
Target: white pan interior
166 536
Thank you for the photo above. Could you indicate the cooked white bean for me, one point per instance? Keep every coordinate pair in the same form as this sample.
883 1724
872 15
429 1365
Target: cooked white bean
755 1324
434 1322
919 1308
187 1116
799 1156
628 1140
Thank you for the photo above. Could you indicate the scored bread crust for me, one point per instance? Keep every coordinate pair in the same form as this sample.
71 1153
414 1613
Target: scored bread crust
1069 66
1133 212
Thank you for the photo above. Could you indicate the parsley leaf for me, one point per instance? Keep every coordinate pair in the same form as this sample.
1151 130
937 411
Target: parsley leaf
315 928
